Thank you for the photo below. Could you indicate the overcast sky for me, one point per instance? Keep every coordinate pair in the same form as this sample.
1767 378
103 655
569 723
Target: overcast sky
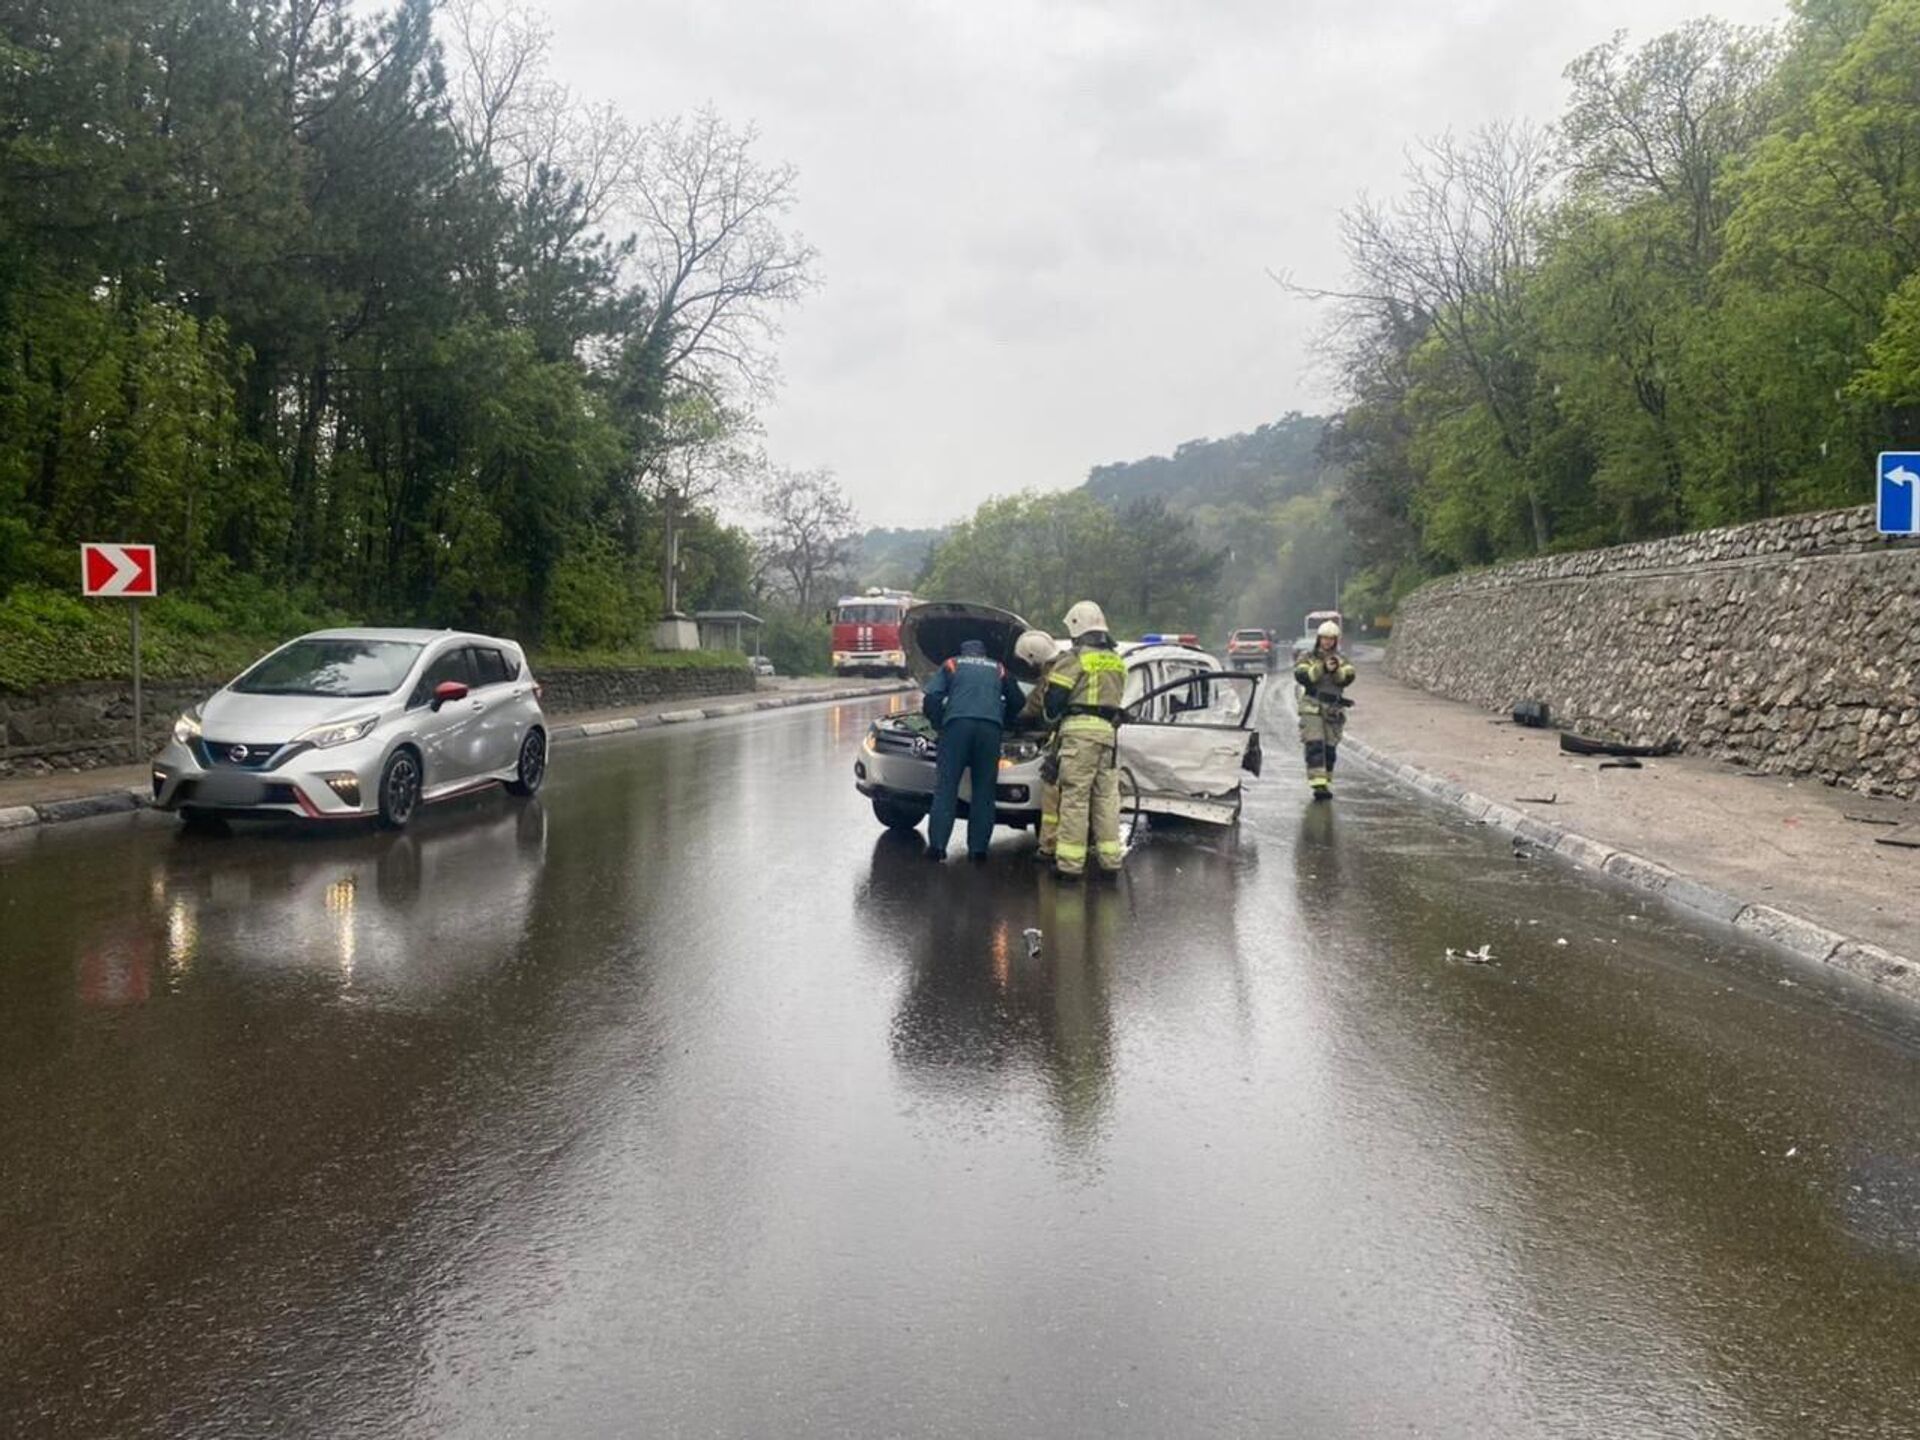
1044 225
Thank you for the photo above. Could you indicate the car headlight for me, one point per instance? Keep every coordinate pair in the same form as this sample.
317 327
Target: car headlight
1018 752
338 732
186 729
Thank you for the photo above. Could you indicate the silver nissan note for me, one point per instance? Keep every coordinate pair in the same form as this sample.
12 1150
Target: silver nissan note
355 724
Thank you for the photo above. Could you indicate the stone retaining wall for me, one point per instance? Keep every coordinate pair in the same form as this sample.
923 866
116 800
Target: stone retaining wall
1790 646
85 727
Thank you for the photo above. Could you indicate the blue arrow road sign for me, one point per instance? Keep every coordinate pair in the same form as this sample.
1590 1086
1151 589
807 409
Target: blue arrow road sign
1899 484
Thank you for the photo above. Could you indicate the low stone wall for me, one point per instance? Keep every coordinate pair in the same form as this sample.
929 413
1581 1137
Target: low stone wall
85 727
1790 646
572 692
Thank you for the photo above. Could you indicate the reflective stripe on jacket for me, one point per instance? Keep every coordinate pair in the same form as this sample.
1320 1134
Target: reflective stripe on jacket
1085 690
1321 684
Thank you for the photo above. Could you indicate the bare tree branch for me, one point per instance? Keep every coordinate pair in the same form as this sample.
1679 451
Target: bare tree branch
806 544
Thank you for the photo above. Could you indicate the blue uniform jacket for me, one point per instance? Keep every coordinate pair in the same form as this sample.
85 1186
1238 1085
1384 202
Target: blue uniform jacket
972 687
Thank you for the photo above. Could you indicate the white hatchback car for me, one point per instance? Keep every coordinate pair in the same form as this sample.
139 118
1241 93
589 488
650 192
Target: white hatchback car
1188 743
358 724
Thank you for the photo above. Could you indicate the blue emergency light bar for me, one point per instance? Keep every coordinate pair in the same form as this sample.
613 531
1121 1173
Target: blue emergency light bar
1169 639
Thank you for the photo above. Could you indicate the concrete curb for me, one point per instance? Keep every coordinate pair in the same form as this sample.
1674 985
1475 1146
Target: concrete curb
1797 935
124 802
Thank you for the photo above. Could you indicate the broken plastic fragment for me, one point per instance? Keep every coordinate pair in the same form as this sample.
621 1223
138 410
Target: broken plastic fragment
1033 942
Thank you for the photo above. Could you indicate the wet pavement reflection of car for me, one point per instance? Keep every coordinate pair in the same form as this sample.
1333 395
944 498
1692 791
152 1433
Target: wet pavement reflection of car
384 916
696 1107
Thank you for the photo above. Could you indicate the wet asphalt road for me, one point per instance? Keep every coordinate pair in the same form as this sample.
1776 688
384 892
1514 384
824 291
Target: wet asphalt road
684 1101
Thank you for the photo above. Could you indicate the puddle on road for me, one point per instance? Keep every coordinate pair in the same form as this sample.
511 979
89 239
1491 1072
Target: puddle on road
688 1096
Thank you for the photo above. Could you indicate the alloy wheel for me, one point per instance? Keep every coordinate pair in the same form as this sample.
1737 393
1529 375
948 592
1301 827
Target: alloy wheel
533 760
402 790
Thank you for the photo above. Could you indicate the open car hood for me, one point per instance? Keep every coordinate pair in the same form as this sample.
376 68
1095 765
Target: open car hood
933 633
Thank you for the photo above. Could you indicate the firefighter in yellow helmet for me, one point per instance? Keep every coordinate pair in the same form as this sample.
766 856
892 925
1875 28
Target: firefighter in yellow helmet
1040 650
1084 693
1323 676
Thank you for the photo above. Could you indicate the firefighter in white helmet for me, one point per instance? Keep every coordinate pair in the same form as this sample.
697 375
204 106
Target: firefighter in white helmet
1084 694
1039 649
1323 676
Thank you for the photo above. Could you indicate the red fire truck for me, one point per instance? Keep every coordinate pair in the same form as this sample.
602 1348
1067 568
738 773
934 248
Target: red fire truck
866 633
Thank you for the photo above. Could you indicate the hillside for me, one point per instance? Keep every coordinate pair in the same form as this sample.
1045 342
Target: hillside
1237 531
1263 501
1263 466
895 558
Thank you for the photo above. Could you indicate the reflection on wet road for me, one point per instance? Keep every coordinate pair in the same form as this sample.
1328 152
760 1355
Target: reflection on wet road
687 1101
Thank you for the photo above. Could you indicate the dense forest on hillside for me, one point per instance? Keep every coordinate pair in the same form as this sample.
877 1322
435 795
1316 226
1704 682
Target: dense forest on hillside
1270 463
357 313
1695 300
1240 530
1263 504
896 559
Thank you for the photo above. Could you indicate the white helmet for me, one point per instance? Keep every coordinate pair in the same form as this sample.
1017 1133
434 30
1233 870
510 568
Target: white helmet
1084 617
1036 648
1329 630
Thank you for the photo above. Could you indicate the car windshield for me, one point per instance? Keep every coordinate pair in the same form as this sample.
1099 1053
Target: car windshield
345 668
1249 634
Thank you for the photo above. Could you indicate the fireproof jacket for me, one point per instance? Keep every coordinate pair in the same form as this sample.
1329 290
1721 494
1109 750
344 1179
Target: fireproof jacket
971 686
1086 686
1321 682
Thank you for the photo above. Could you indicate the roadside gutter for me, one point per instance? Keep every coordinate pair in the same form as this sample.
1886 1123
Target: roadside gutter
1801 937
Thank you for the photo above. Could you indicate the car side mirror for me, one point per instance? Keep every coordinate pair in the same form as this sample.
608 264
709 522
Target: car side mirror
446 691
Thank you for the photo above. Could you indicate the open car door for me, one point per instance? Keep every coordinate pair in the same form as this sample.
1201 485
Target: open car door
1189 744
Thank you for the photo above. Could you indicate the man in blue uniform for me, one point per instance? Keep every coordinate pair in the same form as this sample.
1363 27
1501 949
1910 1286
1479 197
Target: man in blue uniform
969 700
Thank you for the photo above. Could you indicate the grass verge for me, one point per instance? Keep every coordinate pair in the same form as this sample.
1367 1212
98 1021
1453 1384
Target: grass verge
49 638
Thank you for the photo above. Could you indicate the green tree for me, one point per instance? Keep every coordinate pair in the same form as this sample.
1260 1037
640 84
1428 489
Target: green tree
1708 316
277 295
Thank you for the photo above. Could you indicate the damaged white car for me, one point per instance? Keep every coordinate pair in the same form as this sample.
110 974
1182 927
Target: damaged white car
1186 748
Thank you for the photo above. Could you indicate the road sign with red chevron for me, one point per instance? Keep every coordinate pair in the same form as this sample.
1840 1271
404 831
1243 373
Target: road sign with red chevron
124 570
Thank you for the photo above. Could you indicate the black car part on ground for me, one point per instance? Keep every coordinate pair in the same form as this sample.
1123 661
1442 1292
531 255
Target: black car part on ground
1572 744
1534 714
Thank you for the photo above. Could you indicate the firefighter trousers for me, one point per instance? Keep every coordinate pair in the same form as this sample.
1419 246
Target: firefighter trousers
1089 804
1320 734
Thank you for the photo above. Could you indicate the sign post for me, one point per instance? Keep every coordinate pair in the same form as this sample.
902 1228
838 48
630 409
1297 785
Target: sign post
134 607
126 571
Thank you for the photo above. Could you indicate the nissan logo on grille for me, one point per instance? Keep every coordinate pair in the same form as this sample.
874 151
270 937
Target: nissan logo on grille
238 754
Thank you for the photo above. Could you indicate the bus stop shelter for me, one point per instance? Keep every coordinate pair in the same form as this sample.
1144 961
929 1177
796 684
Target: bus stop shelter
728 630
